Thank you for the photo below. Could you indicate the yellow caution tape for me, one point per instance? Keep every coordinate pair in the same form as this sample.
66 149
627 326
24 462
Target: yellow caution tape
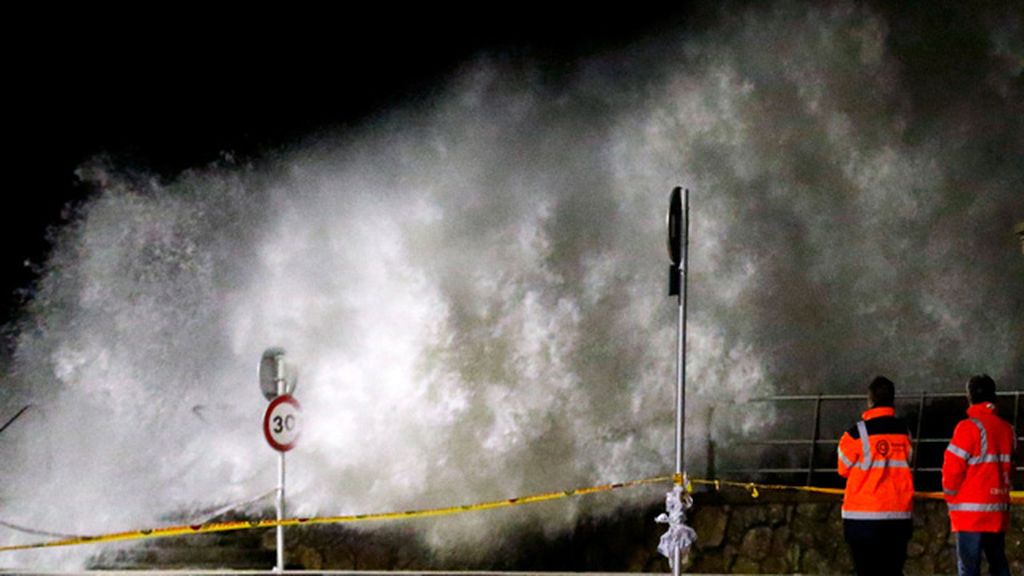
1016 497
253 524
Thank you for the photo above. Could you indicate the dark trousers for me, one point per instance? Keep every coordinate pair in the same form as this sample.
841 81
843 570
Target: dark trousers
878 547
969 547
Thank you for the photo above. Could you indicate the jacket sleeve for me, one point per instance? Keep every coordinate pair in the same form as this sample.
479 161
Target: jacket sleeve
954 461
849 454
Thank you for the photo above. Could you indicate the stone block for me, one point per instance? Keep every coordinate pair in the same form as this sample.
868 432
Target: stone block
937 516
743 518
715 564
1017 516
710 524
757 543
814 562
780 541
793 554
308 557
339 558
777 514
729 553
829 542
745 566
921 535
640 557
835 513
842 562
920 520
269 540
804 529
1015 544
915 549
776 565
921 565
813 510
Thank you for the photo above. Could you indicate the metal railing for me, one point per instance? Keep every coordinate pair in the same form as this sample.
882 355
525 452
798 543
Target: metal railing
913 407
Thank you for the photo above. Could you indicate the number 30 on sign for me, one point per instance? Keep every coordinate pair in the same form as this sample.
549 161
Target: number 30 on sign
281 423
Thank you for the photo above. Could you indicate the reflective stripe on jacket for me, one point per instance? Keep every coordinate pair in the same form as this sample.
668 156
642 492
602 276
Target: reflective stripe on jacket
976 471
874 457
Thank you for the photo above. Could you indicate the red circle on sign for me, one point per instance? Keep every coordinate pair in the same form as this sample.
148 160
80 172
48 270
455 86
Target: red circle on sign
274 405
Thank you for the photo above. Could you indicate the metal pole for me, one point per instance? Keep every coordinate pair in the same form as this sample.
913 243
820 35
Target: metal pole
681 357
280 511
1016 412
917 433
814 440
1017 433
280 476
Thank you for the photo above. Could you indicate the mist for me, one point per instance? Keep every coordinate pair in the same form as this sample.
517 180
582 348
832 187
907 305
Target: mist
474 287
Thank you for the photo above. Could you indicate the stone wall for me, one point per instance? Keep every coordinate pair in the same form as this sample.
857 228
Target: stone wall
781 534
776 533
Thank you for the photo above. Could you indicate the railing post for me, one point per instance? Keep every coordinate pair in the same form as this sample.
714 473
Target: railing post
917 433
1016 428
1016 412
814 440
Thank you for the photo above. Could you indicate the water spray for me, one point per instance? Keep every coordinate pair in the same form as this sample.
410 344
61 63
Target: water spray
427 373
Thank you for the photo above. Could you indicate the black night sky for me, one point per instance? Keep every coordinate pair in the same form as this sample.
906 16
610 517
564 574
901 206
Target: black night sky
168 90
171 90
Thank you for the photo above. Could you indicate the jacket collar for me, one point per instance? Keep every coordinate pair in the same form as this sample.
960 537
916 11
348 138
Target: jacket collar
981 409
879 411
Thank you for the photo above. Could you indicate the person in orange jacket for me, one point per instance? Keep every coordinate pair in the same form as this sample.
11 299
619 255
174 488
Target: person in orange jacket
976 480
874 457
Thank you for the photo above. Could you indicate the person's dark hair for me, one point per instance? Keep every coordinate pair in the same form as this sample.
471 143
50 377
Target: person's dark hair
981 388
881 392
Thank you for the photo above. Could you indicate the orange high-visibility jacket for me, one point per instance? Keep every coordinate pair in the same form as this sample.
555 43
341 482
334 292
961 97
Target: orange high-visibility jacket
874 457
976 471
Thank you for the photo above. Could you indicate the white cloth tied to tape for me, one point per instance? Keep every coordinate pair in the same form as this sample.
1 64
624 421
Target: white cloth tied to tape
679 536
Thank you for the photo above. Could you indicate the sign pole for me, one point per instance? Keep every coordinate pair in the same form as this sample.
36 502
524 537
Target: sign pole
280 475
281 429
280 511
281 421
678 248
681 358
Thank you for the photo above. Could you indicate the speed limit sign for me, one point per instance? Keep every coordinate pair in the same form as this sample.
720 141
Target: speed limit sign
281 423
